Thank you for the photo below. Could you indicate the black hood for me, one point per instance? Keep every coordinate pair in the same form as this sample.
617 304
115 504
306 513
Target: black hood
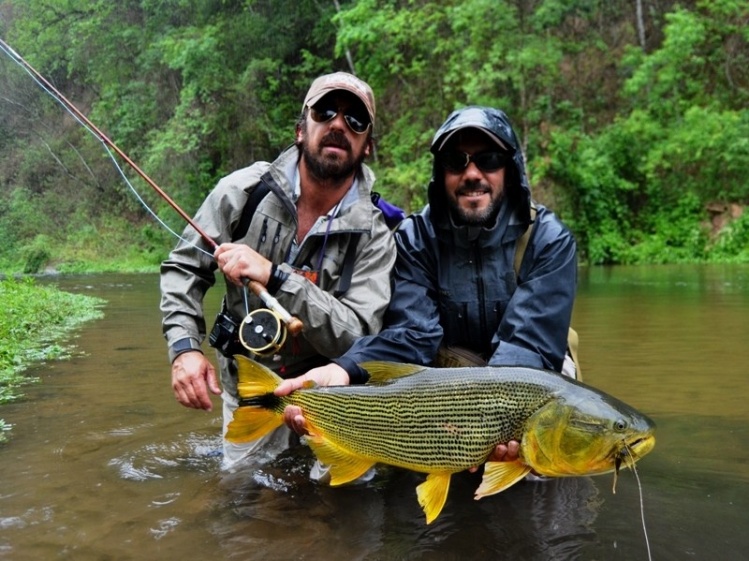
496 123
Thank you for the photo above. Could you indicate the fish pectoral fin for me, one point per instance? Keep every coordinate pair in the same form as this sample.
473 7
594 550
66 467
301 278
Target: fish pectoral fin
432 494
344 466
498 476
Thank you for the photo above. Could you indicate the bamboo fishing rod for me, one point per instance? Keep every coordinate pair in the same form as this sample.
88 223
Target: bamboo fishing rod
293 324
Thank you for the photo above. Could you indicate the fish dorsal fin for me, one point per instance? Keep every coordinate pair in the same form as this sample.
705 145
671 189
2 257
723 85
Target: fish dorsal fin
432 494
382 372
498 476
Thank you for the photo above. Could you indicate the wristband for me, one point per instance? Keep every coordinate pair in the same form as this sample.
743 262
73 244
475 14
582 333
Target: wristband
182 346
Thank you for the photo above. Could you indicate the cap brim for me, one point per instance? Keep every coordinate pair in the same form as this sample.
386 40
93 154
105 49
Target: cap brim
487 132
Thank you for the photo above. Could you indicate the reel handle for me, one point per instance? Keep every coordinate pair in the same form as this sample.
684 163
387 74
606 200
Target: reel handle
293 325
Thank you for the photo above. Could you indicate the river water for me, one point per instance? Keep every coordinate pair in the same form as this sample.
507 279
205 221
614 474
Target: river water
103 463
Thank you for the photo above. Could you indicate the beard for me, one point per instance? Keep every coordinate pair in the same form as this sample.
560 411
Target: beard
330 167
470 216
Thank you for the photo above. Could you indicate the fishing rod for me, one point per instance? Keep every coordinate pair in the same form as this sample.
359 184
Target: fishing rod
292 324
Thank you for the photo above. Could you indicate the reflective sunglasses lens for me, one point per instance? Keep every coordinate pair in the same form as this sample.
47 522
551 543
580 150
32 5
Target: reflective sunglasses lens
323 114
357 125
489 161
455 162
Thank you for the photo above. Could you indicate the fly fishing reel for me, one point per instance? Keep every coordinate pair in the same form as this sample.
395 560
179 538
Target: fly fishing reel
262 332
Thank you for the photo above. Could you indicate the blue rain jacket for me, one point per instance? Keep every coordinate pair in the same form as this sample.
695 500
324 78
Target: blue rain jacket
455 285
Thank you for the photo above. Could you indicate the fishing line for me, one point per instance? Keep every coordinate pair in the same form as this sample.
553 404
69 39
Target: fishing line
17 59
293 324
633 467
642 512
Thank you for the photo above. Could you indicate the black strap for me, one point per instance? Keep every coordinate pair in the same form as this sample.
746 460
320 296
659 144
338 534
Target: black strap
348 265
253 201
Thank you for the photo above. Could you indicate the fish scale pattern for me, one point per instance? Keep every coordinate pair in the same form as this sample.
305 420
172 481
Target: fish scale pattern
445 420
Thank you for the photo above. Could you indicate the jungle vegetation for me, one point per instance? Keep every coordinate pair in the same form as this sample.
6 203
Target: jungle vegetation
634 114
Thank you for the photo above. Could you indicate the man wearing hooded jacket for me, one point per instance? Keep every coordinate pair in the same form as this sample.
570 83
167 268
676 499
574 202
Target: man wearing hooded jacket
455 281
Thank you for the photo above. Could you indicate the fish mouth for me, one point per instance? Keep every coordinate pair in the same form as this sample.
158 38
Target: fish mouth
631 451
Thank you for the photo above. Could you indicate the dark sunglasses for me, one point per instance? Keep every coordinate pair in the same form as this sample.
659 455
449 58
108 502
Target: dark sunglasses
324 112
456 162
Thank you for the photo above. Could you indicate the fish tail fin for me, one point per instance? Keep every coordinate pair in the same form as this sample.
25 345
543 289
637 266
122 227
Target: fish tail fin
259 411
254 379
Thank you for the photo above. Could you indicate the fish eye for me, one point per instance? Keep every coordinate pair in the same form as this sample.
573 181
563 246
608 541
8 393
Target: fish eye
620 424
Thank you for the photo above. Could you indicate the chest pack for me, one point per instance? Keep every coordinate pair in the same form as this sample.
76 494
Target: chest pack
393 216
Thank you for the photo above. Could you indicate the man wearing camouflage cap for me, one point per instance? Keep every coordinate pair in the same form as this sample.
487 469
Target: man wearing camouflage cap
310 215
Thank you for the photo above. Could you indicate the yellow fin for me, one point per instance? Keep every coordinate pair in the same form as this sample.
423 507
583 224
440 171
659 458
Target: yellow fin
250 423
254 379
344 466
381 372
498 476
432 494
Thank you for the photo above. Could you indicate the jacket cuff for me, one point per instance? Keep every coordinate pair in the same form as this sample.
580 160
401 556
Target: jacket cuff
513 355
356 374
277 278
182 346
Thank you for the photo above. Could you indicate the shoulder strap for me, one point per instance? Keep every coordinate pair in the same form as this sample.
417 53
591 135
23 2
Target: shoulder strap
348 265
572 337
522 244
253 201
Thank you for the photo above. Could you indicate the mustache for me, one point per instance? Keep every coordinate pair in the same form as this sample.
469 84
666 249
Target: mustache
336 139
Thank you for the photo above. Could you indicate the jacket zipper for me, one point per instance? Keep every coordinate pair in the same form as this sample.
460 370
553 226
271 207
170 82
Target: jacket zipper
480 287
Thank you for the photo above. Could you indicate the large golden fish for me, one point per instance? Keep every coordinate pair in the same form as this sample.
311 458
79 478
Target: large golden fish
442 421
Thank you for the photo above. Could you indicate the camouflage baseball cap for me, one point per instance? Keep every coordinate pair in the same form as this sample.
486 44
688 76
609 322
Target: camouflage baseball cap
341 81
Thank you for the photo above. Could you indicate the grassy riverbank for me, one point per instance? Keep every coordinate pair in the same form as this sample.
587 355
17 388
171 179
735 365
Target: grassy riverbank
34 321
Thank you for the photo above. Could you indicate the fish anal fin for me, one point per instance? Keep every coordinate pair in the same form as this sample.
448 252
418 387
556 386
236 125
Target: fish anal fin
498 476
381 372
344 466
432 494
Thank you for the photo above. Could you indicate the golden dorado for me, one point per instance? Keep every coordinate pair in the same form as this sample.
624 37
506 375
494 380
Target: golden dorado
446 420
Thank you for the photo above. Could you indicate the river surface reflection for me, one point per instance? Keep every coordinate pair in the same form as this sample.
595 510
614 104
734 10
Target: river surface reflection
103 464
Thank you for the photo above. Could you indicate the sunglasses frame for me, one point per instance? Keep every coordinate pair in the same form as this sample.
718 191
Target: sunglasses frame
503 157
317 116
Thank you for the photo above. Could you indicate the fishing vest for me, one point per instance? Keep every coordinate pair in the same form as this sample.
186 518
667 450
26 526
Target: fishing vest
393 216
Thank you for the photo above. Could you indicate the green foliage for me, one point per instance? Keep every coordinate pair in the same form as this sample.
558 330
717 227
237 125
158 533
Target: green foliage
629 138
599 196
733 243
33 319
